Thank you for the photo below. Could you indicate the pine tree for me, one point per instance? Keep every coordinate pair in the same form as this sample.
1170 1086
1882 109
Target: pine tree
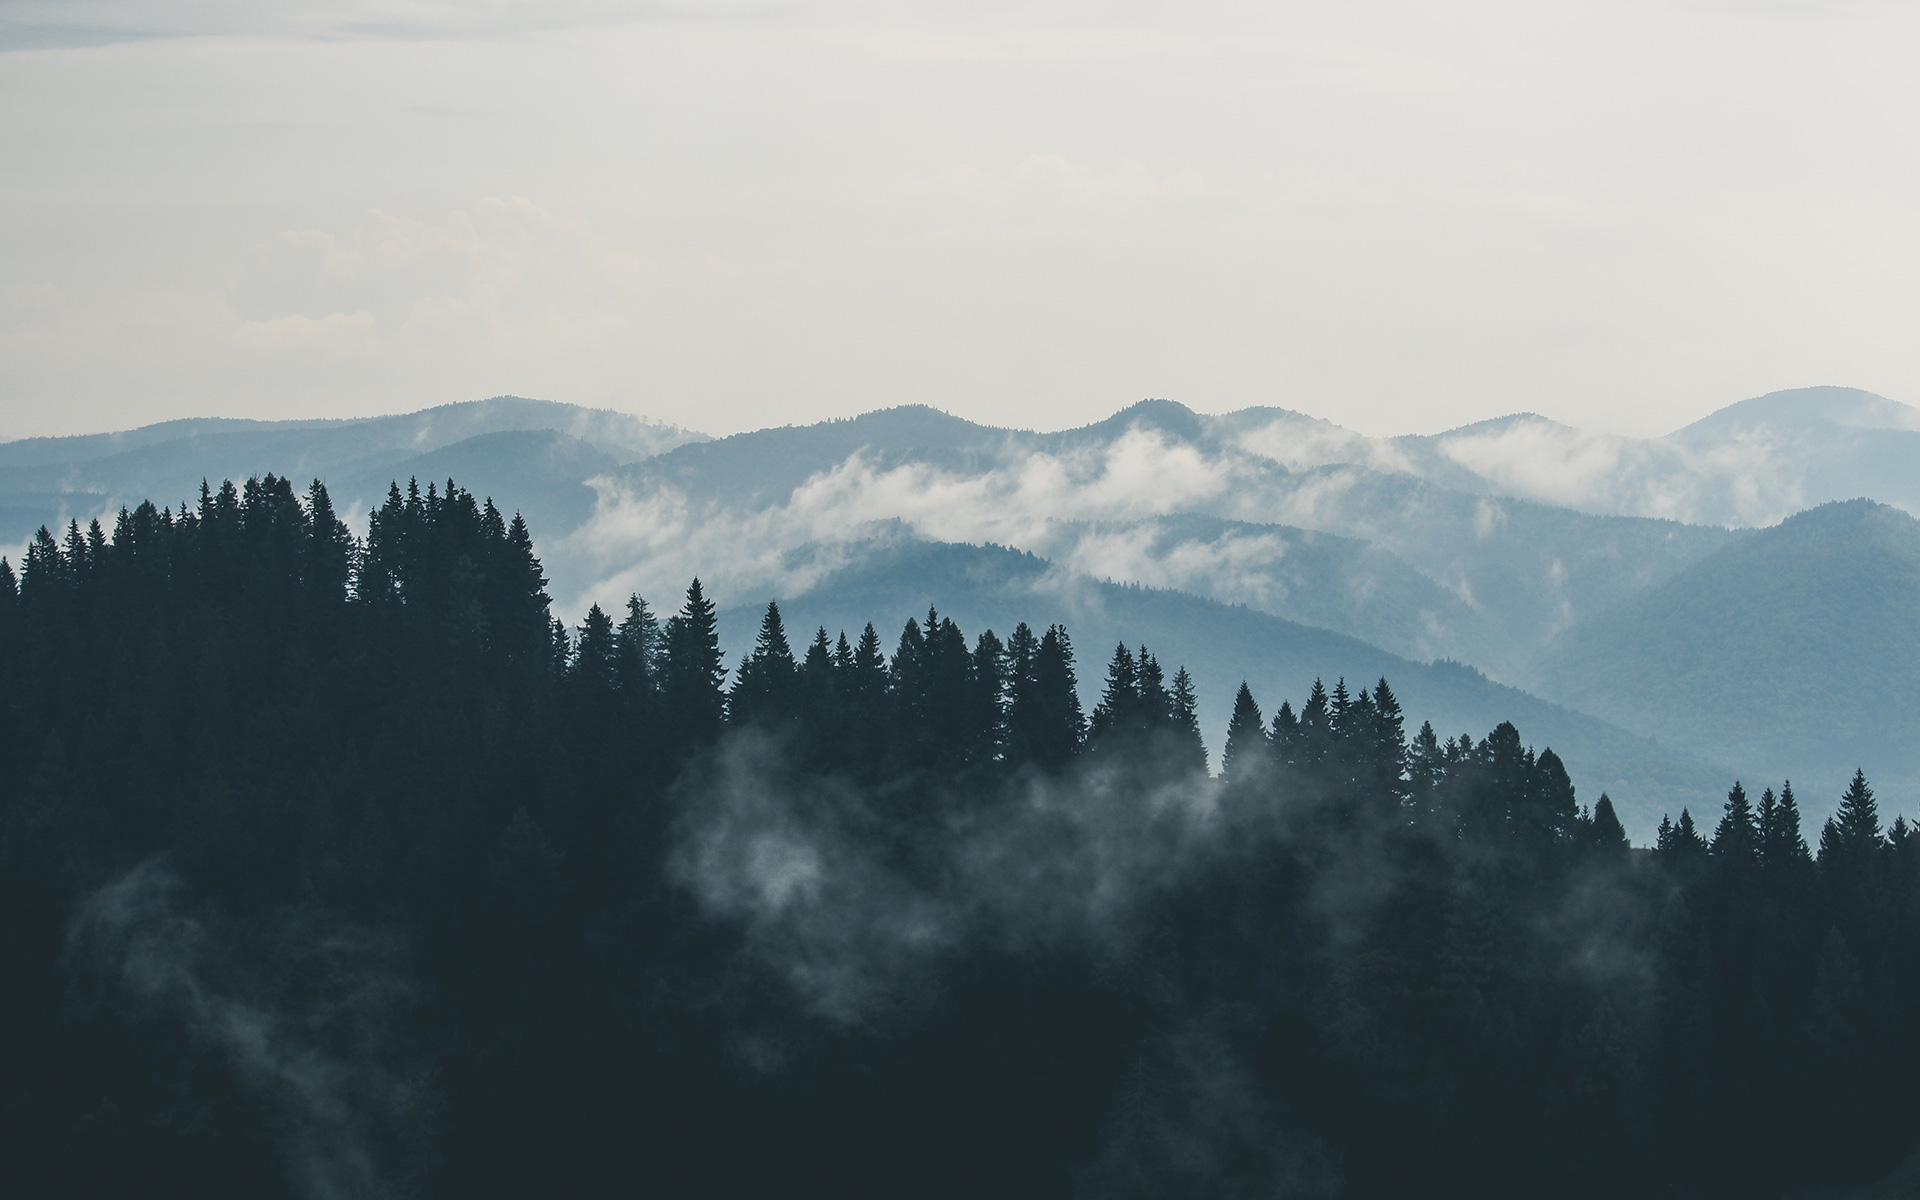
523 586
1048 726
765 686
1190 750
1387 744
1315 741
1023 646
1118 715
1736 841
1782 848
640 648
595 668
1850 851
986 725
1338 706
868 729
383 561
1606 834
817 664
1246 745
1547 810
44 577
951 733
694 704
1156 704
9 607
1426 768
1688 843
1283 737
328 557
1852 834
1502 798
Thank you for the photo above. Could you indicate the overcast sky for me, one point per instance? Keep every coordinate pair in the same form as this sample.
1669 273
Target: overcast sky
1399 215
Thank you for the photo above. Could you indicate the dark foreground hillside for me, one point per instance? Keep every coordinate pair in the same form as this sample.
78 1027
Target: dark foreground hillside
333 867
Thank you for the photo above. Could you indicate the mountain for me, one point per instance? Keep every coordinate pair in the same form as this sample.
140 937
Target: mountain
1803 409
1794 650
50 480
1158 494
983 587
1749 464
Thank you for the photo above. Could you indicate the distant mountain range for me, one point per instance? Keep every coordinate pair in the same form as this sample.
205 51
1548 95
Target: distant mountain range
51 480
1624 579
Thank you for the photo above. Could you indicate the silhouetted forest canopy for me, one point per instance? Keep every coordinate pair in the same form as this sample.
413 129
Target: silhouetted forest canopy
336 866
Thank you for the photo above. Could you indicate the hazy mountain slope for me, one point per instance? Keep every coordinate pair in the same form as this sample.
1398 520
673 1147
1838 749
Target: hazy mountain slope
1478 577
48 480
982 587
765 466
1339 583
1802 408
1749 464
537 473
1796 649
86 447
1530 569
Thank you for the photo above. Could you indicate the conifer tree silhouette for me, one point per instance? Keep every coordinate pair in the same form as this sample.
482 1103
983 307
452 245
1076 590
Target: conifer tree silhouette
1246 743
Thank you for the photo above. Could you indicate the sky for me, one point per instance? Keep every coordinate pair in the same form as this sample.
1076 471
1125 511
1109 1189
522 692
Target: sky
1401 216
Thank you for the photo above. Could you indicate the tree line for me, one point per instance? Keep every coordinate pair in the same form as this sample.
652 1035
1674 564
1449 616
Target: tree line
337 863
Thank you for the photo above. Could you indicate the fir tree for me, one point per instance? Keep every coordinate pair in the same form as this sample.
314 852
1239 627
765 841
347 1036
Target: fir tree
1736 841
1283 737
1156 703
1119 711
1782 848
765 688
986 723
694 704
328 557
1546 811
596 658
525 580
1314 744
1426 768
1682 840
1190 751
1606 834
1387 743
1852 834
1246 744
640 648
1046 724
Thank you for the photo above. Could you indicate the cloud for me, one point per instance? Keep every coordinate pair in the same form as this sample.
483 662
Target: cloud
651 538
791 858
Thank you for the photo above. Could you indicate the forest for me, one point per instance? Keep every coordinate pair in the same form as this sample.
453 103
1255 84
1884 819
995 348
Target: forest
334 865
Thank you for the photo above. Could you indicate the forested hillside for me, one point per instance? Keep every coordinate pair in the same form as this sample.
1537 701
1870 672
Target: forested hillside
1785 650
334 865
